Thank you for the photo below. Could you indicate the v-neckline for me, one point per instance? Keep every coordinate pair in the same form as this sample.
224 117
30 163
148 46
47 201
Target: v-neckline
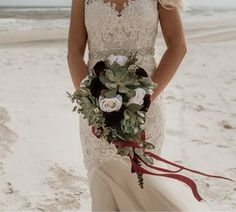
113 5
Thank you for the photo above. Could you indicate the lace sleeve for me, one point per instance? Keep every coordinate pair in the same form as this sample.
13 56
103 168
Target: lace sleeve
180 4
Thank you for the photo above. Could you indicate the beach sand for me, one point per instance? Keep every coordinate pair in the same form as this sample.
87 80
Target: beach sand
41 162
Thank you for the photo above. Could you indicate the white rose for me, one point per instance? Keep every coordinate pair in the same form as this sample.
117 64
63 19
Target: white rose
120 59
110 104
138 98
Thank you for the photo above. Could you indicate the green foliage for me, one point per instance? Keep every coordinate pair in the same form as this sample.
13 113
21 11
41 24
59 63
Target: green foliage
86 105
132 59
143 156
124 151
132 123
109 93
118 79
147 84
134 107
148 145
140 180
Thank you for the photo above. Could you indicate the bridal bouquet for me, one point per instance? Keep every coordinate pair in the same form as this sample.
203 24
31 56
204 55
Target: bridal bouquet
115 99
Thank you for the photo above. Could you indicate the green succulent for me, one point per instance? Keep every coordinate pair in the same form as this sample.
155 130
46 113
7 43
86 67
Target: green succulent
118 79
133 122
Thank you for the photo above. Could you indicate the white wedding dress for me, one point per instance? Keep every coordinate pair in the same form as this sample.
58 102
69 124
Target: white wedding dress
112 185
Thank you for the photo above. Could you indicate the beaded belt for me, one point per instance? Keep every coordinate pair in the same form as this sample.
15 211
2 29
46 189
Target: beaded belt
117 51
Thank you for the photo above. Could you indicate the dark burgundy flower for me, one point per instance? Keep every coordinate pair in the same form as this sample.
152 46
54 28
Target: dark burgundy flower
96 87
147 102
99 68
141 72
114 118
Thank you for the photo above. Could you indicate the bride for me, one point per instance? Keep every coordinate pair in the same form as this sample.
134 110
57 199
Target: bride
119 27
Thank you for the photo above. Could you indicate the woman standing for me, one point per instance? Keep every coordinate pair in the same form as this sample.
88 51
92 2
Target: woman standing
121 27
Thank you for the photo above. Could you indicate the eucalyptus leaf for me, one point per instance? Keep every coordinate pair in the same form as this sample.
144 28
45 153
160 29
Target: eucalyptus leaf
75 108
124 151
126 115
140 113
141 126
136 130
138 151
147 159
141 120
134 107
148 145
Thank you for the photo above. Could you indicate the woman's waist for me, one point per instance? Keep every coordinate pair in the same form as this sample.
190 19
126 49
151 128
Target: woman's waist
102 54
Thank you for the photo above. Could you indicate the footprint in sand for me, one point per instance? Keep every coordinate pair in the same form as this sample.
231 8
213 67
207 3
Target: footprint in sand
11 199
226 125
7 136
67 188
200 142
203 126
170 98
179 87
196 140
174 132
4 116
199 108
9 189
223 146
229 82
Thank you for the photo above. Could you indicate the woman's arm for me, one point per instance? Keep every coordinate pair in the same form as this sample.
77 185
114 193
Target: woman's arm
77 43
173 33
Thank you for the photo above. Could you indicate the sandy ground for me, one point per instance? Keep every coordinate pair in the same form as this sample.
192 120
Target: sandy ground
41 163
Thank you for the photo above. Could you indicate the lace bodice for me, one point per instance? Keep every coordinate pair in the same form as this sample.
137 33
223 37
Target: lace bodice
134 27
126 29
113 31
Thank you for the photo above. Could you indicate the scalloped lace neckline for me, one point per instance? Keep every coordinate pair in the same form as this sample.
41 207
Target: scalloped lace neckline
124 6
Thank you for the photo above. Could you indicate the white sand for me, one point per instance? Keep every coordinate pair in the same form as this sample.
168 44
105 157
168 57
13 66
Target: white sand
41 163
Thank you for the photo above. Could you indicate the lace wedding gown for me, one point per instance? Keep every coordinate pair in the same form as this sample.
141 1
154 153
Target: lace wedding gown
112 185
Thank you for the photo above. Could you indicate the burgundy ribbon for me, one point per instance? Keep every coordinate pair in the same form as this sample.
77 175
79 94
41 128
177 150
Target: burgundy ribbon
136 165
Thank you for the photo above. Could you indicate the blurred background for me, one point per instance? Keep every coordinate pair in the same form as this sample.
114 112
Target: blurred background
41 162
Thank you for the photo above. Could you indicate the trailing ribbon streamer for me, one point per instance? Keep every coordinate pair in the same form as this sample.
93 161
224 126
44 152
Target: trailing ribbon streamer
136 165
